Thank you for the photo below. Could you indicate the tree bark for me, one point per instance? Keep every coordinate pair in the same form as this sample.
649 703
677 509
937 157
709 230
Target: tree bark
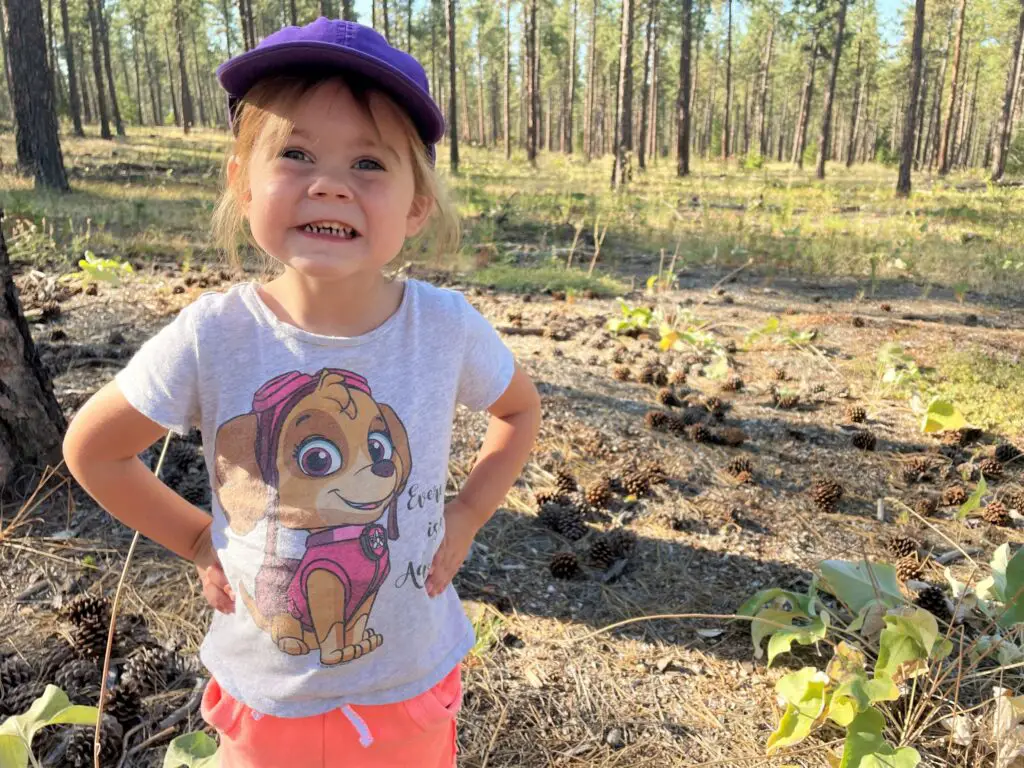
187 113
293 12
36 138
347 12
826 121
481 112
111 86
532 97
645 94
944 141
32 424
858 85
97 69
138 76
506 107
726 149
69 57
1001 144
621 171
907 149
154 90
760 124
453 128
199 76
806 97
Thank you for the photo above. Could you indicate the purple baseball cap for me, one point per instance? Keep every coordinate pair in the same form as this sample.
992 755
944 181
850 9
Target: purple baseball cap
347 47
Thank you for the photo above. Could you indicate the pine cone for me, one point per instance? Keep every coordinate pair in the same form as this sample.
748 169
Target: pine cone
667 397
700 433
80 680
933 600
545 498
1015 500
858 322
826 494
14 672
636 483
565 482
734 437
739 465
569 523
648 374
900 546
599 494
787 401
992 469
621 542
564 565
1005 452
677 377
657 420
953 495
148 670
653 471
996 513
125 705
915 470
56 654
733 384
79 748
856 414
745 478
715 406
926 506
601 555
779 373
908 568
621 373
620 356
864 440
86 608
90 640
18 700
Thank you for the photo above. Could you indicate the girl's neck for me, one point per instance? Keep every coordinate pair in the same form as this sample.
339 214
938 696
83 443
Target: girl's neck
350 307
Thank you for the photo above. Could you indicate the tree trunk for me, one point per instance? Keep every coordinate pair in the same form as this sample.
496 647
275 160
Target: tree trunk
506 107
293 12
32 424
944 140
858 86
453 132
806 96
155 97
481 112
571 95
111 87
347 12
1001 144
907 149
97 69
69 56
621 170
726 149
760 124
187 113
965 140
138 76
199 76
645 93
588 108
532 97
387 23
826 121
652 131
37 139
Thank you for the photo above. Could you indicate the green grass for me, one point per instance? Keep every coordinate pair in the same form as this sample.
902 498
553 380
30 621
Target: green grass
722 215
989 390
530 279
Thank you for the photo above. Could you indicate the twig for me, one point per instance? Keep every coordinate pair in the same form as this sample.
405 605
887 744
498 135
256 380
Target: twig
659 616
575 240
598 241
729 276
113 623
494 735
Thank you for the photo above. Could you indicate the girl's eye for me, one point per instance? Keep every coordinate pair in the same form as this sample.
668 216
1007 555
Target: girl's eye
318 457
374 165
381 447
295 154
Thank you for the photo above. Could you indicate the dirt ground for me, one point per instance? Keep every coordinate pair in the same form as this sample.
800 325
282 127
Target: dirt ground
553 680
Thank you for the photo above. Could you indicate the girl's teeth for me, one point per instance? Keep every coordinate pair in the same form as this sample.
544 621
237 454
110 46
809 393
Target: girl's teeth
344 232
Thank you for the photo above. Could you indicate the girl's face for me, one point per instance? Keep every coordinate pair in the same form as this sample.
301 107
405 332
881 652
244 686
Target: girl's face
339 198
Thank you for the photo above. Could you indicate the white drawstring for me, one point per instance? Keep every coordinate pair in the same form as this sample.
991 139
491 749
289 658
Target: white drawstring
365 737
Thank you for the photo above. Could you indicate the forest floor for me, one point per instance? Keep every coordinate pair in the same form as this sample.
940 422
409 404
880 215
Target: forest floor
571 672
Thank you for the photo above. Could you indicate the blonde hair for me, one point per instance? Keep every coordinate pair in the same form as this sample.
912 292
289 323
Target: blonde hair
260 129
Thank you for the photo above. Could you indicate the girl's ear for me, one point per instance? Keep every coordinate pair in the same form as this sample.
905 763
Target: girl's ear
235 168
420 210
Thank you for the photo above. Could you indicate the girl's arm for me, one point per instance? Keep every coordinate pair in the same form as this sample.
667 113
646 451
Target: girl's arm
515 421
101 450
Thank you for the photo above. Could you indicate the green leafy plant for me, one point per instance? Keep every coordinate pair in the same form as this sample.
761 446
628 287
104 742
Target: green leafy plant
773 332
634 319
897 370
192 750
662 282
52 708
95 269
896 670
942 415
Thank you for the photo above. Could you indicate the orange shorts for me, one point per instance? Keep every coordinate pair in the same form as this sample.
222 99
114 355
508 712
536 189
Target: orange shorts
419 732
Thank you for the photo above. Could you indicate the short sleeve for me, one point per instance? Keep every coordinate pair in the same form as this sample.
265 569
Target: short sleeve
161 380
487 364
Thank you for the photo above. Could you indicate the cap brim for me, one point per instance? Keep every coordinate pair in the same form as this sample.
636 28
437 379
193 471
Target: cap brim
239 74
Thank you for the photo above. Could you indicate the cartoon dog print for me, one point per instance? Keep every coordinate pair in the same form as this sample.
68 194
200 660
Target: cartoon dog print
318 453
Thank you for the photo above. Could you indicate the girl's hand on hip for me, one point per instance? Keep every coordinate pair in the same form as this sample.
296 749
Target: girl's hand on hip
216 588
459 531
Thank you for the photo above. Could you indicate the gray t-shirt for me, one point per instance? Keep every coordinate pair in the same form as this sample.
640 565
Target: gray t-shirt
328 458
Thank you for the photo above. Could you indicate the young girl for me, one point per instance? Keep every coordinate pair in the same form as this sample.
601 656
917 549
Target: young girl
325 399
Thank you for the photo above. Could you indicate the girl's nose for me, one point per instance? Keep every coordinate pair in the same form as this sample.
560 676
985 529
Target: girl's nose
328 186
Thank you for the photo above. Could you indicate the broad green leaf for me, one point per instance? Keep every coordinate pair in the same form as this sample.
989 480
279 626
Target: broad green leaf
847 671
782 640
779 598
942 415
866 748
906 644
1013 590
668 340
857 584
13 752
804 693
192 750
869 620
974 500
51 708
717 369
